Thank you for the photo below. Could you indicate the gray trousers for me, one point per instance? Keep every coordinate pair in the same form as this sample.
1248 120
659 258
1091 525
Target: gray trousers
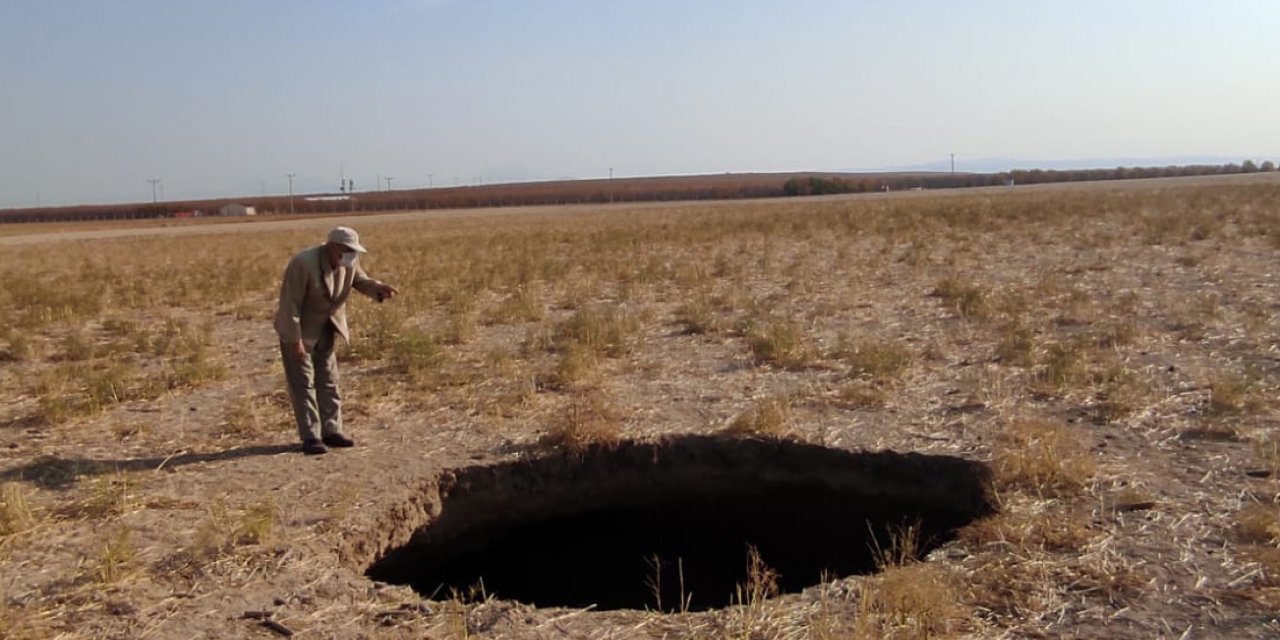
313 388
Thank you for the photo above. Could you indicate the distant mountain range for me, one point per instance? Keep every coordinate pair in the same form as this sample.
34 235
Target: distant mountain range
993 165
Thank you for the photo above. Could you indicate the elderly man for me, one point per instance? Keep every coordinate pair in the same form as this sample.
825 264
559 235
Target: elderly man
311 315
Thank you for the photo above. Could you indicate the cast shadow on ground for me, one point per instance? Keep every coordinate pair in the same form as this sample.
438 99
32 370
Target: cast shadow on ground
52 472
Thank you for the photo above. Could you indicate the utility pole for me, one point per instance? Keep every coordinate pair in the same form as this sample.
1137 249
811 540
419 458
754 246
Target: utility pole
290 176
429 184
611 185
154 182
389 179
953 169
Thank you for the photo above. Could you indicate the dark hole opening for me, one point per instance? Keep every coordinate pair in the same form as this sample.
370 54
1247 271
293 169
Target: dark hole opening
670 525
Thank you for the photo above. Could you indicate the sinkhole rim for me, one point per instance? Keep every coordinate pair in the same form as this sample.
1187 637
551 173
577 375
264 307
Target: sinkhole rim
466 508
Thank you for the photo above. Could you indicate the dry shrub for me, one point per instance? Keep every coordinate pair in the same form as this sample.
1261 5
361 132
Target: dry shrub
768 418
1042 458
587 421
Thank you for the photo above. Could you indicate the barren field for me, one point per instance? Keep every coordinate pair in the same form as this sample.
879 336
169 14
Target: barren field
1090 369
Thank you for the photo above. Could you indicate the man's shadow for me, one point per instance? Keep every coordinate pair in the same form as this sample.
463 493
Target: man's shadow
52 472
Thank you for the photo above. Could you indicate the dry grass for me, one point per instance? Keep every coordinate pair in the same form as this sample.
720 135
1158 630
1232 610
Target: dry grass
223 530
1043 458
117 558
1096 306
1016 345
768 418
16 514
108 497
965 299
1259 524
1052 528
1231 394
876 359
1123 394
698 317
779 341
1267 450
588 421
608 331
914 601
861 395
241 418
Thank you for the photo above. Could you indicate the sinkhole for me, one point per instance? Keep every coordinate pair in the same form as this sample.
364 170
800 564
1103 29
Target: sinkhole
671 524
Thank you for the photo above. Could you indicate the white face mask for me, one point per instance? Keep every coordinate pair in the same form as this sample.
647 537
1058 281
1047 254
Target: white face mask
349 259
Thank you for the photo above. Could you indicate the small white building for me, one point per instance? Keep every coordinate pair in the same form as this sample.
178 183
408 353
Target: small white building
236 209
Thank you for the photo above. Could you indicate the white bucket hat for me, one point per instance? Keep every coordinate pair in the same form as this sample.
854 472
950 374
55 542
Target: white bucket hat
347 237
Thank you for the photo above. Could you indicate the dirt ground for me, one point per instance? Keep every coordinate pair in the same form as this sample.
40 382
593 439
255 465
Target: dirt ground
1155 548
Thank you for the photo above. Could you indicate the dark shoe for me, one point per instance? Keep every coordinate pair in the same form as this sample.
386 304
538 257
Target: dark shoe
339 440
313 447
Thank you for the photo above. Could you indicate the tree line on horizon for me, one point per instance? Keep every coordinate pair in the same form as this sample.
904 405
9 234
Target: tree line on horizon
823 185
703 187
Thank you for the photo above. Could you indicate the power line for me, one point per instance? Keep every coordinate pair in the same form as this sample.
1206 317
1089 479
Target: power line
154 182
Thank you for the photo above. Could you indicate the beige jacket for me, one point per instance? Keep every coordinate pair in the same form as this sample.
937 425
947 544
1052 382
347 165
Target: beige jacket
312 294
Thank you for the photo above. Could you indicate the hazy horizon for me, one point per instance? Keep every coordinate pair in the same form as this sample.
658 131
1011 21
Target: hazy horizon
223 99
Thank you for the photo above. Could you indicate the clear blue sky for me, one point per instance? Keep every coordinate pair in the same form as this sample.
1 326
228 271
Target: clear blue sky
218 97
